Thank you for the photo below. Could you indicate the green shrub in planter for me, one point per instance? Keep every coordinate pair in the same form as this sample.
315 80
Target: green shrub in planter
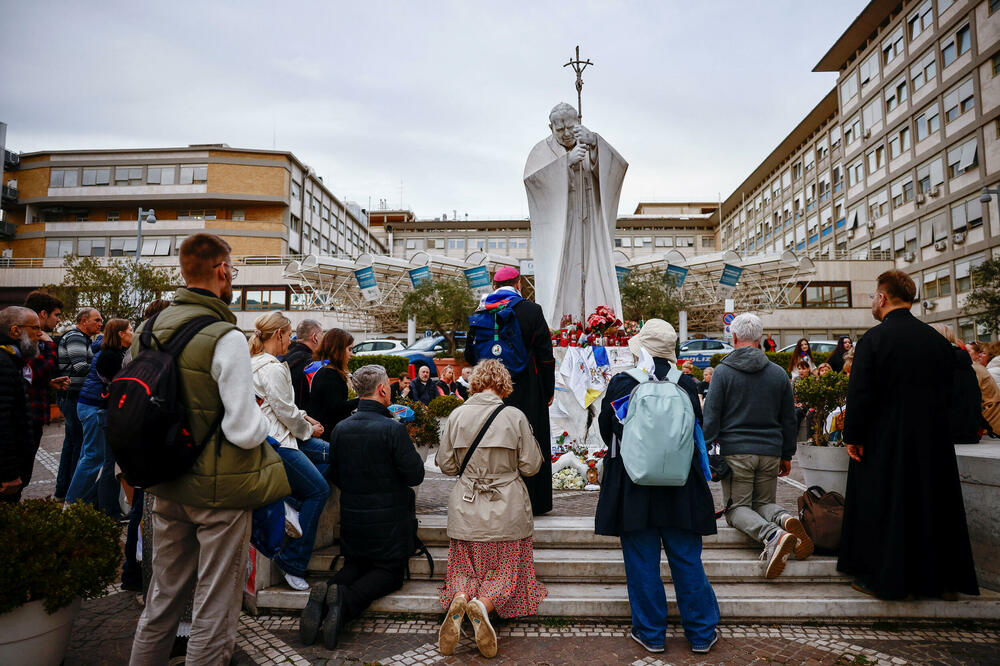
443 405
821 395
394 365
55 555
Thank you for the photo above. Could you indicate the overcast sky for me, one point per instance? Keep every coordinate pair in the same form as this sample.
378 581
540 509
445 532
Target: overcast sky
434 105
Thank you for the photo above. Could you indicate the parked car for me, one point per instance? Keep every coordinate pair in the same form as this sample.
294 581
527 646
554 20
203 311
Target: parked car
381 346
819 346
423 350
701 350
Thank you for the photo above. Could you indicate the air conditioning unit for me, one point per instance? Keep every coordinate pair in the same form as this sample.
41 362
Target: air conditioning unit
929 305
936 190
867 134
959 238
941 246
909 257
921 198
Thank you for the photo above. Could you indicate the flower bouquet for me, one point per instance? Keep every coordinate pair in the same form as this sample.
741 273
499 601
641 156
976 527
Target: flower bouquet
568 478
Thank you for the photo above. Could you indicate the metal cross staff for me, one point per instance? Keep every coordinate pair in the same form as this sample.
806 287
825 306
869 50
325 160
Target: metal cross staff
578 67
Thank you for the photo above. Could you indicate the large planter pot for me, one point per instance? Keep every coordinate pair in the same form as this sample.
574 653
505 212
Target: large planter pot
824 466
29 635
457 363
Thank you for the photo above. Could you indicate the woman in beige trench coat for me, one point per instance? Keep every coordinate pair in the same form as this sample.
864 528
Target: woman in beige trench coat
491 562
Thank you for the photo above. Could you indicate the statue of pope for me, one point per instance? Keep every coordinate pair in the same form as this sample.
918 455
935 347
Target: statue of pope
573 179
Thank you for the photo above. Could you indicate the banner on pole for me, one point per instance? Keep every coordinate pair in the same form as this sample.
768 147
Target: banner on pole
420 275
622 273
478 279
730 278
366 283
678 274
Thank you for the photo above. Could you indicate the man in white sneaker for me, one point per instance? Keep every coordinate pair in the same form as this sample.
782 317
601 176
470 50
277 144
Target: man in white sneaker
750 411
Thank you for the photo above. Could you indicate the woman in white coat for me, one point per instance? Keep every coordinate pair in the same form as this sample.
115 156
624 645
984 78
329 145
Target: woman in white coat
304 454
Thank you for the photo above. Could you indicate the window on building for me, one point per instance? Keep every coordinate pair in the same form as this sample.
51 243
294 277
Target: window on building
933 229
439 243
967 215
518 243
899 142
160 175
937 283
872 114
194 174
868 70
892 47
930 175
295 224
64 178
196 214
239 215
264 298
924 70
113 216
796 170
155 247
902 191
995 63
456 243
664 241
91 247
920 20
852 130
128 175
498 244
685 241
97 176
878 205
876 158
56 248
896 94
708 242
905 241
856 173
296 190
123 247
963 157
849 88
959 101
821 295
963 273
928 122
956 45
994 5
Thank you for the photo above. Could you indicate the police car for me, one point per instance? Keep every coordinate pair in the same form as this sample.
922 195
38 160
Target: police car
701 350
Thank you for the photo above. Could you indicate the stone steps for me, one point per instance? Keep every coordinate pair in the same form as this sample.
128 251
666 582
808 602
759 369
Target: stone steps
749 601
607 566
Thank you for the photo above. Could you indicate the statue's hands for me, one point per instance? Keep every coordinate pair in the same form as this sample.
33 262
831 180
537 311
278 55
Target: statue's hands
577 154
584 136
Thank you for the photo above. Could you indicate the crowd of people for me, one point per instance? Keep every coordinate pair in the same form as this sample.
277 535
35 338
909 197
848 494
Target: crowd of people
284 420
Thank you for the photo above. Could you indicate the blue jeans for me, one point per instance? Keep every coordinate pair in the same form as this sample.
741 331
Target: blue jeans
72 441
695 597
310 490
95 459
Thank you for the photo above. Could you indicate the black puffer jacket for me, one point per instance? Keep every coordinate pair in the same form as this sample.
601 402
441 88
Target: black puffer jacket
15 422
374 463
298 357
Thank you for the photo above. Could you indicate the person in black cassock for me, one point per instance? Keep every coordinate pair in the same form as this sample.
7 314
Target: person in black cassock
534 387
904 530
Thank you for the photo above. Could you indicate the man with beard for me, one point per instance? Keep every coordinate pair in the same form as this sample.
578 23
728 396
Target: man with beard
44 368
904 531
19 333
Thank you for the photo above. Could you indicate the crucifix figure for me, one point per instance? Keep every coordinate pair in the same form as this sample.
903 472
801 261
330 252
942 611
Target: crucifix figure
573 180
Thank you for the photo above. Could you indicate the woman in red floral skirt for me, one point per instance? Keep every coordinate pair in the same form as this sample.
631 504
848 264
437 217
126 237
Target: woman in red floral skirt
491 563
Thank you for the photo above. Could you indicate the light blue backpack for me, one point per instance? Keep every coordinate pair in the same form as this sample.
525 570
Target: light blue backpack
658 431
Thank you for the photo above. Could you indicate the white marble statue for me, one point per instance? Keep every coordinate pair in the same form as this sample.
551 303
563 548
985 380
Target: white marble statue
573 179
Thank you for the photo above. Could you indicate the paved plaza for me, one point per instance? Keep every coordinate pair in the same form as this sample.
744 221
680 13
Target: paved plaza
104 629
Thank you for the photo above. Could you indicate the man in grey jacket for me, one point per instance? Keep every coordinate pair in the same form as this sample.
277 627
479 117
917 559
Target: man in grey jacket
750 411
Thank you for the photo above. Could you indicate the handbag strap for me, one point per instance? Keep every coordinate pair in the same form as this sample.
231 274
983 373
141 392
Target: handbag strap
479 438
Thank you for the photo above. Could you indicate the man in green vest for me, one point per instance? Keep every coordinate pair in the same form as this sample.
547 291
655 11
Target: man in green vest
201 520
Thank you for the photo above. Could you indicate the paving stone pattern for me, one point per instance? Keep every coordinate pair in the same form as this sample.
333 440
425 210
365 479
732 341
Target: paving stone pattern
102 634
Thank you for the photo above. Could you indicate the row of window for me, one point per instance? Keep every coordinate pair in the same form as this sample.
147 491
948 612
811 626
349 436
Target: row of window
129 175
819 295
152 246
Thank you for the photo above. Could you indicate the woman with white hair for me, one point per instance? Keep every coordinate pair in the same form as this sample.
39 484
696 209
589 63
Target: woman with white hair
645 516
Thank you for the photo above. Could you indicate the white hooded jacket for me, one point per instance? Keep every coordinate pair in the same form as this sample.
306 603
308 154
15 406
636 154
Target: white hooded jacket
272 382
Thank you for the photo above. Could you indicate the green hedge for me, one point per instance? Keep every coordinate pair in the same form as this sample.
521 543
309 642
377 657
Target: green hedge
780 358
394 365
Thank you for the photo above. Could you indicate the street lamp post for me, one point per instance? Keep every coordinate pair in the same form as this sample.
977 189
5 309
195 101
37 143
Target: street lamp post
987 191
150 215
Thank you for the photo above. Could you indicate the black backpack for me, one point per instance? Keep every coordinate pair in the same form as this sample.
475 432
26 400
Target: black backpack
147 427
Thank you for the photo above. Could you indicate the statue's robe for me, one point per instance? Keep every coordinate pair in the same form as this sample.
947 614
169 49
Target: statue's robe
559 200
